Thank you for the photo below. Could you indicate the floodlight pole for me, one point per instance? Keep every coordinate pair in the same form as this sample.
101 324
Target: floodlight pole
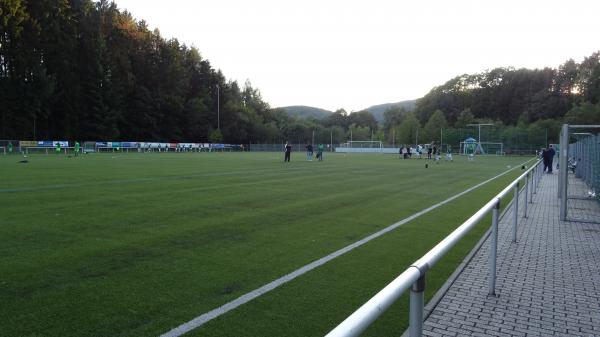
479 125
417 139
218 109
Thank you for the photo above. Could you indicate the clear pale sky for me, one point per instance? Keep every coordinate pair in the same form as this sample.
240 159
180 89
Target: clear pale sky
353 54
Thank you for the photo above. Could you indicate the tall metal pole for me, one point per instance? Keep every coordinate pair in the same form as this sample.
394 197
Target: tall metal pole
563 171
417 139
218 109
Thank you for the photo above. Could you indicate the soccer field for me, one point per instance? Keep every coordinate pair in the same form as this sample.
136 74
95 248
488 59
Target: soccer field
137 244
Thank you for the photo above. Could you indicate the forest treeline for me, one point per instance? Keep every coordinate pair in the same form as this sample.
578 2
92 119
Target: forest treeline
85 70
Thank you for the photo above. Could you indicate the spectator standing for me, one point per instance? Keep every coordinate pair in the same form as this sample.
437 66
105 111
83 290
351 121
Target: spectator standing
550 155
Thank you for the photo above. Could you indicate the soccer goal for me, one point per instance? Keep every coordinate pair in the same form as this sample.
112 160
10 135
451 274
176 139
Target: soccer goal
363 146
490 148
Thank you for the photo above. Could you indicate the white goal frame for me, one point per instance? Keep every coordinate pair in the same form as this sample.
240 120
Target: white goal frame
357 146
480 150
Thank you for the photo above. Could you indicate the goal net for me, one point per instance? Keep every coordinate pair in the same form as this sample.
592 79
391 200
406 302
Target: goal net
363 146
475 148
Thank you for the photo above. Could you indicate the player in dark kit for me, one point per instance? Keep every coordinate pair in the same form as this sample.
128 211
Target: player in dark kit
288 150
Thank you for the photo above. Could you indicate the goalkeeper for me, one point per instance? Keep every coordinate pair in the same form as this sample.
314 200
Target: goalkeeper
320 152
449 153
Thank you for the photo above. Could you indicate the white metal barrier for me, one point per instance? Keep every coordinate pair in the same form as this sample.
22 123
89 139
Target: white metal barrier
414 276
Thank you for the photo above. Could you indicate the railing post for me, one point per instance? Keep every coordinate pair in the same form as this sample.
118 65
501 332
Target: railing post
533 181
532 189
516 212
493 250
417 305
526 194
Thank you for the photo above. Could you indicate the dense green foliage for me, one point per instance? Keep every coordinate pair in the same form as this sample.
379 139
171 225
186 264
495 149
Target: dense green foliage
518 96
303 111
83 69
136 244
379 110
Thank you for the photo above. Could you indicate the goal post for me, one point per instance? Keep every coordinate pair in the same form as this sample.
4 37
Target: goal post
482 148
362 146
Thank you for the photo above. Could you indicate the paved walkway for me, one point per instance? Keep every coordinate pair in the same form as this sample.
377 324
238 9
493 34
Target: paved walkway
548 282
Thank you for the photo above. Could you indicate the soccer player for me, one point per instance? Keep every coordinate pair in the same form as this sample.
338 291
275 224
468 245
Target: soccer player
57 147
76 148
288 151
10 148
309 152
449 153
320 152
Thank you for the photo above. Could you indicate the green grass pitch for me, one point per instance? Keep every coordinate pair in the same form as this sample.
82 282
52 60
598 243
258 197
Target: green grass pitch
137 244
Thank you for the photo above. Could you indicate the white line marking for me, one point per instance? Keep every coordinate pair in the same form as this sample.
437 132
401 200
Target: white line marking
202 319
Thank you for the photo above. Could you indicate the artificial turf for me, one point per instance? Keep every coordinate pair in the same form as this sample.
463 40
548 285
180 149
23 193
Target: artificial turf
137 244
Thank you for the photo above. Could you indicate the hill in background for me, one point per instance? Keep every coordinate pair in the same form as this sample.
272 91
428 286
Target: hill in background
303 111
378 110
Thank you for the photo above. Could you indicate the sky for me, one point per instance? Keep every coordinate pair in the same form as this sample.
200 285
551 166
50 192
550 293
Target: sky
351 54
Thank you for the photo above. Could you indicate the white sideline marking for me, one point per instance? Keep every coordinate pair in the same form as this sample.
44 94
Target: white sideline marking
202 319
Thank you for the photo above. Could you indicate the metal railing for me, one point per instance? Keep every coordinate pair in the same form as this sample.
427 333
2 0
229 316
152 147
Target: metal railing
563 174
414 276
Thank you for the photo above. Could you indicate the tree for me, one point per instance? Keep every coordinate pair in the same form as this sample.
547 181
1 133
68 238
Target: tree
407 132
364 118
464 118
431 130
215 136
392 117
588 78
586 113
357 133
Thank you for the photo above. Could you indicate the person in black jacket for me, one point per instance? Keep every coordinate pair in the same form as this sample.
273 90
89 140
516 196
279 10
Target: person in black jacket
309 152
550 157
544 157
288 150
